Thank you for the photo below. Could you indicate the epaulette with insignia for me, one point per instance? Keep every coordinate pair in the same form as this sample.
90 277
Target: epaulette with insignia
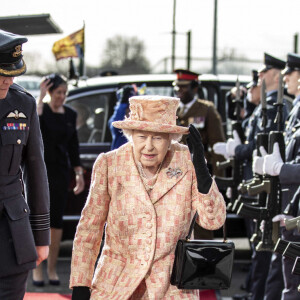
19 88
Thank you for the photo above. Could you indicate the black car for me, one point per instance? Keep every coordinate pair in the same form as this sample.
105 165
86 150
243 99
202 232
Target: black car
97 97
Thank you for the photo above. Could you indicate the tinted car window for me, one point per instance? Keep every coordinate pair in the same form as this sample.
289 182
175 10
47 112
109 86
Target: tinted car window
93 114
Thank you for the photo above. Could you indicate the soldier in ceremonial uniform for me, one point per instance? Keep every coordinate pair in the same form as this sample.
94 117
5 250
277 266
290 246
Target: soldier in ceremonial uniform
205 117
24 224
289 176
201 113
270 72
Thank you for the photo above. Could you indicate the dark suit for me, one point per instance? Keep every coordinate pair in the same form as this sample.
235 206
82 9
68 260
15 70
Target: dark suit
24 224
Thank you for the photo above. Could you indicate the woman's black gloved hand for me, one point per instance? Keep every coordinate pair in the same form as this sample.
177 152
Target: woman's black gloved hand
81 293
196 148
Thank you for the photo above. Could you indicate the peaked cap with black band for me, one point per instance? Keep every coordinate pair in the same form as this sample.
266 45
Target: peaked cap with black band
292 64
271 62
11 58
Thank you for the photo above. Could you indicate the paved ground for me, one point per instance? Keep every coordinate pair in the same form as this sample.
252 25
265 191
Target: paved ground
242 261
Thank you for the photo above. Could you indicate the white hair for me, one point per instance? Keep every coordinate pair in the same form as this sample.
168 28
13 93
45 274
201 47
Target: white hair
174 137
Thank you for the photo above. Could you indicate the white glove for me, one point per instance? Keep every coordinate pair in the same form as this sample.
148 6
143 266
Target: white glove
273 162
281 218
220 148
258 161
262 226
232 144
229 192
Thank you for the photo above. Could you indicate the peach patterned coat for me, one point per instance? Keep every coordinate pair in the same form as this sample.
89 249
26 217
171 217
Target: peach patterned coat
142 230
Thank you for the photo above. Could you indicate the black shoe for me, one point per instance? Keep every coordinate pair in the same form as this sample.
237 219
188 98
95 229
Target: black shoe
38 283
54 282
245 296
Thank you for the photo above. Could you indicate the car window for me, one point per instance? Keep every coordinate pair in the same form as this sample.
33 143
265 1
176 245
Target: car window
93 112
160 90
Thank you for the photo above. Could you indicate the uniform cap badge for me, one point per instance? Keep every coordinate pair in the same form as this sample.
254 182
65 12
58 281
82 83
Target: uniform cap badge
18 51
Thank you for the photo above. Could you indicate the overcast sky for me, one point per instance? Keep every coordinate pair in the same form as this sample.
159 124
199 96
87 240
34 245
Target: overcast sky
250 26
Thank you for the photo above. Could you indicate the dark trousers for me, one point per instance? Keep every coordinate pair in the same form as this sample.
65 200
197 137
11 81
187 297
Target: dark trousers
275 284
13 287
291 281
259 272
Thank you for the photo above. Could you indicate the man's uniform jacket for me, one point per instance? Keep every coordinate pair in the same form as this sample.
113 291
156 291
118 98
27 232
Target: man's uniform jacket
204 116
142 230
290 172
244 151
24 224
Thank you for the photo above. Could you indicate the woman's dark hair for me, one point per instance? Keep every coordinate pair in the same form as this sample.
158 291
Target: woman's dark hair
56 81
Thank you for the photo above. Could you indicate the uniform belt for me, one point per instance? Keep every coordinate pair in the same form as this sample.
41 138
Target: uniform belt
10 190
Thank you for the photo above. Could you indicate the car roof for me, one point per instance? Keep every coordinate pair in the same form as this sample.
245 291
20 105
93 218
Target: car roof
119 80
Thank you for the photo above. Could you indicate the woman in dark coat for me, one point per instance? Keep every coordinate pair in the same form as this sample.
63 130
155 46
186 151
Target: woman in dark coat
58 127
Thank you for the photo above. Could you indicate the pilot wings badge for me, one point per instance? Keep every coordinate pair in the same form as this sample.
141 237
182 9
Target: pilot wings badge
16 114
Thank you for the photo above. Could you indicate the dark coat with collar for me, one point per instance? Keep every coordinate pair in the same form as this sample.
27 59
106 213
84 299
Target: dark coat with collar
24 195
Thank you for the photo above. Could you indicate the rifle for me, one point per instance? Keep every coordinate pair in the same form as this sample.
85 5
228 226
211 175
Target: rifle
262 140
296 268
292 207
236 166
292 223
243 199
270 185
291 251
288 249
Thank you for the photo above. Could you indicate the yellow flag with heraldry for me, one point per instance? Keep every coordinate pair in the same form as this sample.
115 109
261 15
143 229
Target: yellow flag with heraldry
70 46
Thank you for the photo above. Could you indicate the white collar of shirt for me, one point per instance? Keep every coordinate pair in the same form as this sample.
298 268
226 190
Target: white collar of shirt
296 100
188 105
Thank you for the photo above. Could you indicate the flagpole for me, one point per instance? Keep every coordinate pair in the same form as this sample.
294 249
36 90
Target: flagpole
81 61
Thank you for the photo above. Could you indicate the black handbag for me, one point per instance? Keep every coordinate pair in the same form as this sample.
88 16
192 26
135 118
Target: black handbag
203 264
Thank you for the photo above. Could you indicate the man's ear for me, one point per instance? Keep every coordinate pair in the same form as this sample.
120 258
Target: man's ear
276 75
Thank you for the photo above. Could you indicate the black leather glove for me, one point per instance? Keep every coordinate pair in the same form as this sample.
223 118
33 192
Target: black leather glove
81 293
196 148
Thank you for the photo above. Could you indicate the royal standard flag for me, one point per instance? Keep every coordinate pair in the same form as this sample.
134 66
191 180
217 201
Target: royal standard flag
70 46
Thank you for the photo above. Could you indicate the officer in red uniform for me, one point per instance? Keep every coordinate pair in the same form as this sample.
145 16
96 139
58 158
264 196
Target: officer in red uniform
201 113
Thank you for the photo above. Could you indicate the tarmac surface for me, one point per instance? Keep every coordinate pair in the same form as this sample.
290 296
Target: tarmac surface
240 269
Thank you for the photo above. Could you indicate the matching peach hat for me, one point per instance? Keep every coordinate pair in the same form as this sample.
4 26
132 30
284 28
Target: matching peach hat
152 113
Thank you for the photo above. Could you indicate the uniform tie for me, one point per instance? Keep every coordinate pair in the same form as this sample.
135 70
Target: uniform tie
181 111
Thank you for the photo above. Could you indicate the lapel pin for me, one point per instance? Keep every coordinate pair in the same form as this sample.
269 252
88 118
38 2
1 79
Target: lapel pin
174 172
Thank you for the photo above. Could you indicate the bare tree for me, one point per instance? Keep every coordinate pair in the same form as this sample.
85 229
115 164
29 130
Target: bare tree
125 55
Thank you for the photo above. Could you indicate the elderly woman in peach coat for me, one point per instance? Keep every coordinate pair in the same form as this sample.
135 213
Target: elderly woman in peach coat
146 192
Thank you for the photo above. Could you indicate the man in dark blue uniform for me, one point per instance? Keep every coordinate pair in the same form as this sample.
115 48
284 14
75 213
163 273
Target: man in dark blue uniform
270 73
289 176
24 224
